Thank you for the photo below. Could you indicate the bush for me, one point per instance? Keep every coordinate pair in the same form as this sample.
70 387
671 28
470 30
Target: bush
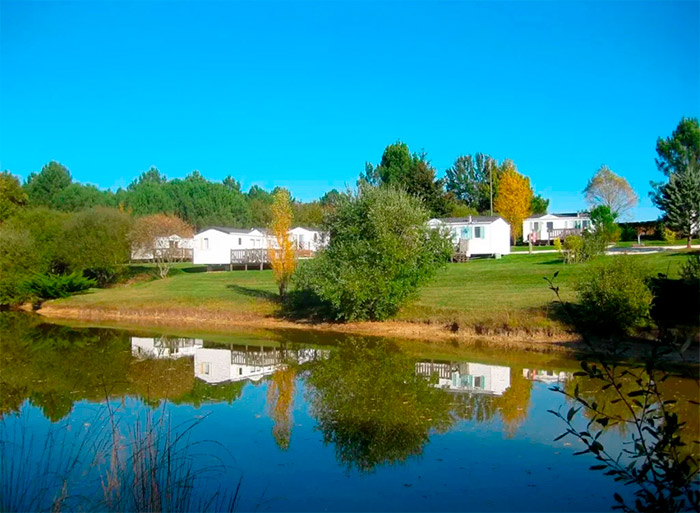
380 251
580 249
669 236
54 286
614 296
628 234
691 268
573 249
557 244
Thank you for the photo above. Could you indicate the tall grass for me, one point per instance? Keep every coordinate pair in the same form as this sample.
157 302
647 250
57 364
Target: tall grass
149 465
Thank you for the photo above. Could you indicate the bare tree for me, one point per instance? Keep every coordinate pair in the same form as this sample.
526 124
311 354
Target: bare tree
158 238
607 188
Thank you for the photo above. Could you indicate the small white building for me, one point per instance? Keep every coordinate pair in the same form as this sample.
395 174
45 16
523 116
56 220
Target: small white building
477 235
547 227
178 248
308 239
213 246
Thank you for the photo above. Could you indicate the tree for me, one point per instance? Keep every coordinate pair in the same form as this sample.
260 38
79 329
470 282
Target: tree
151 235
474 180
43 186
411 172
514 199
283 257
380 251
78 196
12 196
96 241
603 221
611 190
679 159
539 205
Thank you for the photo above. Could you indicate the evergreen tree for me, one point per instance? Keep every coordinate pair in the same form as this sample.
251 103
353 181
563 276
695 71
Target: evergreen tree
679 197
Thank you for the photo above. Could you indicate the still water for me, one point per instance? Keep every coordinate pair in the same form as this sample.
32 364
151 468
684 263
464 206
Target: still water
288 421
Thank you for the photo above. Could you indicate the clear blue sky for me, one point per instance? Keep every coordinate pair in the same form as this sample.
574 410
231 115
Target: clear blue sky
302 94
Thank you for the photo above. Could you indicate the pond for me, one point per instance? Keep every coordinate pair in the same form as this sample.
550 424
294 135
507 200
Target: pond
97 418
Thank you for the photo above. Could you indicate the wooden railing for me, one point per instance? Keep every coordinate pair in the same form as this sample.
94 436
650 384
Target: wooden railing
562 233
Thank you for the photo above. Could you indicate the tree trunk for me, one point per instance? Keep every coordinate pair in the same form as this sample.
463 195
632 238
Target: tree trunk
690 241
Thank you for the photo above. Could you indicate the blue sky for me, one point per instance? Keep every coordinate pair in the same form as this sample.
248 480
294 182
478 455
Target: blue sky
302 94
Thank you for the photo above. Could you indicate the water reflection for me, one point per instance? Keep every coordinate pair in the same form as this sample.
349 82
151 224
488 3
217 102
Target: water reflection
366 405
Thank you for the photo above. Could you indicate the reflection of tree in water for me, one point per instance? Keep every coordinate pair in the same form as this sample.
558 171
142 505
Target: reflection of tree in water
370 403
512 405
54 366
672 388
514 402
280 403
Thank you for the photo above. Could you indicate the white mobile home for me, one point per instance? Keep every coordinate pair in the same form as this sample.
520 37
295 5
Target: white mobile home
545 228
213 246
307 239
176 247
477 235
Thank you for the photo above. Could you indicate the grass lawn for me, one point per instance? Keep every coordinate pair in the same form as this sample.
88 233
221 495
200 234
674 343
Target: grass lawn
512 290
520 249
490 293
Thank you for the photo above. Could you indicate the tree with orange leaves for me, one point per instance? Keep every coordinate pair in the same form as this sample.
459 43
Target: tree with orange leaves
283 257
514 198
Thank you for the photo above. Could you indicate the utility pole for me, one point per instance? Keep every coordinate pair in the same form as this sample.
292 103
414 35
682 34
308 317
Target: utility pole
491 184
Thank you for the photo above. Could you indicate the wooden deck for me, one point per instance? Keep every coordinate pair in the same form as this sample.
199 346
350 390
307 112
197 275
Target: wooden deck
259 257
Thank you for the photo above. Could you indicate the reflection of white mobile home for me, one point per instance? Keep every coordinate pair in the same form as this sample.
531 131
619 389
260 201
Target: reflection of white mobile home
477 235
219 365
546 376
467 376
164 347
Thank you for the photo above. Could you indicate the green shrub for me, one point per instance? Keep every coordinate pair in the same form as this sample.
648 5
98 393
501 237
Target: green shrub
580 249
573 249
669 236
381 250
691 268
52 286
13 290
557 244
614 296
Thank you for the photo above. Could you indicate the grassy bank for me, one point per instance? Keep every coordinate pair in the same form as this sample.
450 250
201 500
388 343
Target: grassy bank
486 297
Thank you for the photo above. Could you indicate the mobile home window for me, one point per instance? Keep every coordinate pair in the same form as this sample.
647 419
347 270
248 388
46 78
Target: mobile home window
205 243
479 232
240 241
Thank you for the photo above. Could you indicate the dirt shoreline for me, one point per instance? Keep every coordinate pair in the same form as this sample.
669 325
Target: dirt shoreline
219 321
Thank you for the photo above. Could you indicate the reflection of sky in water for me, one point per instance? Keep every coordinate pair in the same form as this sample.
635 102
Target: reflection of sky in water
474 465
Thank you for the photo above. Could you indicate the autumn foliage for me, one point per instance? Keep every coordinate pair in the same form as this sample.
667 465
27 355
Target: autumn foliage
280 403
151 235
514 198
283 256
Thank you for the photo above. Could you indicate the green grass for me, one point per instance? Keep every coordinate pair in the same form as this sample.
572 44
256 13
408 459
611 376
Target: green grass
490 293
520 249
510 291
